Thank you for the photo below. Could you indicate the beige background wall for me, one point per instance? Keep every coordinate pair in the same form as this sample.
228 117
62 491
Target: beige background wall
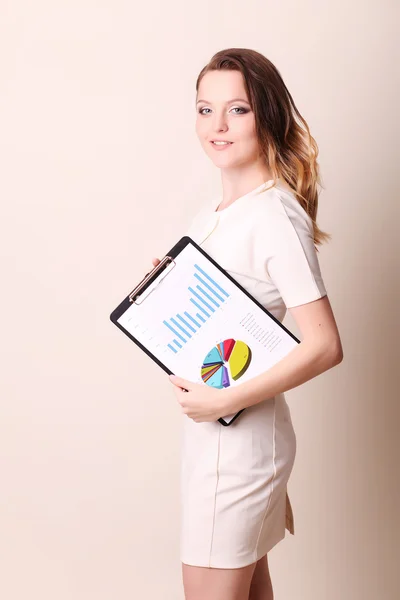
101 170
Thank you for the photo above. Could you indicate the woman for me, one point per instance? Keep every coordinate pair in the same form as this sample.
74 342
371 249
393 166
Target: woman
263 231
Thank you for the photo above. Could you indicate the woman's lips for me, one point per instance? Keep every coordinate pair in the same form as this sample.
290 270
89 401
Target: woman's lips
221 146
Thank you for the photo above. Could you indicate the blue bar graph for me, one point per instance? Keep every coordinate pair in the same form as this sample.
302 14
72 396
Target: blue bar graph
191 318
200 307
201 299
186 323
175 322
208 295
174 331
209 287
212 281
205 297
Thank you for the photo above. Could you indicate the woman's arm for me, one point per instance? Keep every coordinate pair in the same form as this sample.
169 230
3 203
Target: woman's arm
319 350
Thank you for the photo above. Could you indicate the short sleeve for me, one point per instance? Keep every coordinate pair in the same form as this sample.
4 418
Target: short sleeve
292 262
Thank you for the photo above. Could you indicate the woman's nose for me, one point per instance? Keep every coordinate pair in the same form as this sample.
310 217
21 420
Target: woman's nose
220 123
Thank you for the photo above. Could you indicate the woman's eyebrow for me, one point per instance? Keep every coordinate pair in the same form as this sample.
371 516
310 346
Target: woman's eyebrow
228 102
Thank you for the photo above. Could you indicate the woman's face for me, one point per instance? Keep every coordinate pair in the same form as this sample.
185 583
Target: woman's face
224 113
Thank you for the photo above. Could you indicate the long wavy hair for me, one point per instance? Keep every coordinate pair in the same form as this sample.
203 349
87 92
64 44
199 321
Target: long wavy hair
285 142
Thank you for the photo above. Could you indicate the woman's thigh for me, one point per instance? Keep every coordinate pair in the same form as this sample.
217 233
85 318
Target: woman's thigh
202 583
261 584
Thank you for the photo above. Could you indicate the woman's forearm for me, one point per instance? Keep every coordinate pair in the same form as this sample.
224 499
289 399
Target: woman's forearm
301 364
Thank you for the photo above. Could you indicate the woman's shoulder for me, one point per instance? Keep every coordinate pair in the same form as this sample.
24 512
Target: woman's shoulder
279 205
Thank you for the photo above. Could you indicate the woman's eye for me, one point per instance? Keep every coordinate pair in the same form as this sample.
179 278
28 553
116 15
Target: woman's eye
234 108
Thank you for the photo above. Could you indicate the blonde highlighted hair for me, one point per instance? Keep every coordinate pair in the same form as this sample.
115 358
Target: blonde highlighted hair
284 137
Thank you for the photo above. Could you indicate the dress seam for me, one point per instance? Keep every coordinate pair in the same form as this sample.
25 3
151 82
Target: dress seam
215 498
272 481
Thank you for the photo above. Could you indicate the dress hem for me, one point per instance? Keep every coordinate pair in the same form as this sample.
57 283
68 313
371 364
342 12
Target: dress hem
233 564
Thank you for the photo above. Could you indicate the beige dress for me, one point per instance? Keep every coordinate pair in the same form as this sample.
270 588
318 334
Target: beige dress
234 501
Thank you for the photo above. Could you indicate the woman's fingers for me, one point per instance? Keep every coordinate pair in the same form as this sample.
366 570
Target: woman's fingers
155 262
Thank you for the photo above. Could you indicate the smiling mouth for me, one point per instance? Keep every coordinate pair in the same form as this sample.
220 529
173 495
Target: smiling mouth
221 143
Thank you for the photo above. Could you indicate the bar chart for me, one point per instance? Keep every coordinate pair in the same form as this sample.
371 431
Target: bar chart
205 297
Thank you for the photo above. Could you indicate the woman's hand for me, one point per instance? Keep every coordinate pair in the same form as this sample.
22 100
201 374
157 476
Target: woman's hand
201 402
155 262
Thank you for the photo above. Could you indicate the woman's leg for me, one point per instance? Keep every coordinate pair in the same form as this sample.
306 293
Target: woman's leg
202 583
261 584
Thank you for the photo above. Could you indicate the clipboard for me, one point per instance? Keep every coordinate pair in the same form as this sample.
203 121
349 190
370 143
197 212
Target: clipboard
193 319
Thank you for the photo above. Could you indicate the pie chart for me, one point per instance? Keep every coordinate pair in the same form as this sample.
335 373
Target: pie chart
227 361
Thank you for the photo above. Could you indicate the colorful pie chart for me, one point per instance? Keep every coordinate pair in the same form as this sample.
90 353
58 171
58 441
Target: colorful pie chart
227 361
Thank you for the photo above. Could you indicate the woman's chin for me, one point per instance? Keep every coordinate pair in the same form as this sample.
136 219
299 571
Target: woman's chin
224 160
